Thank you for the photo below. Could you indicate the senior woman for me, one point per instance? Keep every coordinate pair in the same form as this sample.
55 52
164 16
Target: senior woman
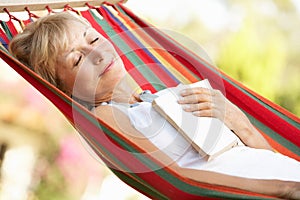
66 51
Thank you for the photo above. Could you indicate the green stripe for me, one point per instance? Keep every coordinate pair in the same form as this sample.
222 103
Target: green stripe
196 190
6 29
141 187
275 136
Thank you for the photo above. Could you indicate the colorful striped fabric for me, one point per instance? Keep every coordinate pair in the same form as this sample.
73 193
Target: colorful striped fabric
156 61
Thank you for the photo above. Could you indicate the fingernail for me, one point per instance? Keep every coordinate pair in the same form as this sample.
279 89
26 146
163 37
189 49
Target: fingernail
186 107
196 113
183 92
180 99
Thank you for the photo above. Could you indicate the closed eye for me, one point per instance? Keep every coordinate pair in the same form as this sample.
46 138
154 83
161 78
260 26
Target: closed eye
95 40
78 61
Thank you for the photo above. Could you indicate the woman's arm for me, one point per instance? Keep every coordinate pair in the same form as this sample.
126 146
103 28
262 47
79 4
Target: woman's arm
212 103
121 123
275 188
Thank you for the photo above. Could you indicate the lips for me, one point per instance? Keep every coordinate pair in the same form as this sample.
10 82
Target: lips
107 67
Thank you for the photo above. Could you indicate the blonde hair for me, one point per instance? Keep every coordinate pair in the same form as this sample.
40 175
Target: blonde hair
41 42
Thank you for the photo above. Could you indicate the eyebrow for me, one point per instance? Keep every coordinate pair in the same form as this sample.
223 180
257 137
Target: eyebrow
86 30
84 35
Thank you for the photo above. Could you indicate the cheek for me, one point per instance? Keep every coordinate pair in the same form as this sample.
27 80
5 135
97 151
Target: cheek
110 81
106 83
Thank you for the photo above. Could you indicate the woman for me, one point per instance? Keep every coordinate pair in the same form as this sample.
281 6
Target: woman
65 50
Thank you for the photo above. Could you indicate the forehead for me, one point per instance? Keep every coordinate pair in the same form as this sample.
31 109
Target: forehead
76 28
75 31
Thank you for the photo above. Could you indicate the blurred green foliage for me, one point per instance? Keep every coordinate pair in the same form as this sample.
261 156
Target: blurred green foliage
256 60
262 52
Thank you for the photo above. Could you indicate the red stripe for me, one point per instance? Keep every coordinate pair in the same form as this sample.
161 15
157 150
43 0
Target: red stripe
11 27
27 21
3 36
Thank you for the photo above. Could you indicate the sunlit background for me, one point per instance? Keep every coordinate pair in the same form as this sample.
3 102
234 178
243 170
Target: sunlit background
255 41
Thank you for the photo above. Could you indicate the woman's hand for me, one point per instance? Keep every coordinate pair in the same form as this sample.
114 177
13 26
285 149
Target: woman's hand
203 102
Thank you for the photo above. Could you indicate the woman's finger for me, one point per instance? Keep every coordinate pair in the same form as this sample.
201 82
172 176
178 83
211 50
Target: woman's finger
209 113
204 113
195 98
197 107
197 90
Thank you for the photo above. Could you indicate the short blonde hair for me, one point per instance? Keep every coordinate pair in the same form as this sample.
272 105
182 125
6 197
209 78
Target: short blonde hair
41 42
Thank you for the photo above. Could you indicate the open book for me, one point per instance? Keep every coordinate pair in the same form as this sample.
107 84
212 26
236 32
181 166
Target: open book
209 136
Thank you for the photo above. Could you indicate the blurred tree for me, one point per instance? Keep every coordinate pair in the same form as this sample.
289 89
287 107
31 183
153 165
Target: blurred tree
254 59
264 53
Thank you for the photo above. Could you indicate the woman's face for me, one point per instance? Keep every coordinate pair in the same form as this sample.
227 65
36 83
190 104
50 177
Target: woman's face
90 68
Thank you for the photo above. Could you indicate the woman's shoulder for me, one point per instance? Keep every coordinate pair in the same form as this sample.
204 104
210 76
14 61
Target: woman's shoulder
115 118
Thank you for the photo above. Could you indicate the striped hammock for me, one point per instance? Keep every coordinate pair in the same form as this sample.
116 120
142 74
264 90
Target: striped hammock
156 61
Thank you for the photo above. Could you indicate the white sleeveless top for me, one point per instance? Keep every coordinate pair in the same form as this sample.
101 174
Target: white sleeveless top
239 161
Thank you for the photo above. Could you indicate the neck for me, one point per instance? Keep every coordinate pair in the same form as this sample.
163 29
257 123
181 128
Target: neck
126 91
